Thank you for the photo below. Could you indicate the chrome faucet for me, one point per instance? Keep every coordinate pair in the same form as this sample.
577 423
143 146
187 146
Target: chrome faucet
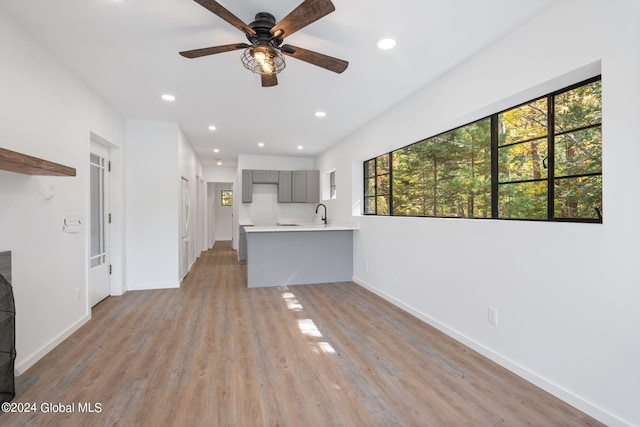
324 218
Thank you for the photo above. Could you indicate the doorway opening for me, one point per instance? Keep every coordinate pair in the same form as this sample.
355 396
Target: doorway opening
220 203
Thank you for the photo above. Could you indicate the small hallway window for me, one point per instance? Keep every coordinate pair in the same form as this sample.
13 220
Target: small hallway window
329 185
226 197
332 185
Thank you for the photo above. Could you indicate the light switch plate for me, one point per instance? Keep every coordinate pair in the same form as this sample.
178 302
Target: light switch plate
71 224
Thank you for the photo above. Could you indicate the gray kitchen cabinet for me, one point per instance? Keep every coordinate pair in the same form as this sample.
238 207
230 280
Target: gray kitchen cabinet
247 186
284 187
271 177
312 184
293 186
265 177
259 177
299 186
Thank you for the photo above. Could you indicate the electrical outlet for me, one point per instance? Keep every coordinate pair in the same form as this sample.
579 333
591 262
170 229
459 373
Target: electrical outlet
366 266
493 316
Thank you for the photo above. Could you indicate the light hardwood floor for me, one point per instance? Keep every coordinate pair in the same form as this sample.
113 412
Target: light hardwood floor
215 353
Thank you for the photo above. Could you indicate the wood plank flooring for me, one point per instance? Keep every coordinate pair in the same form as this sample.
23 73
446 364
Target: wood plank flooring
215 353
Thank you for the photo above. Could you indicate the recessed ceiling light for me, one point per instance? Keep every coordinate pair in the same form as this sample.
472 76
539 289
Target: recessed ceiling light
219 163
321 114
300 147
386 44
216 150
260 144
212 127
168 97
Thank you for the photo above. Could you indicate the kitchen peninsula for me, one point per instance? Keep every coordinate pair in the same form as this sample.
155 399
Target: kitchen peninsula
299 254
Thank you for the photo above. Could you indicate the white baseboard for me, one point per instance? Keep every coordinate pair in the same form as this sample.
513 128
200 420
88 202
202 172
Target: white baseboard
512 366
152 285
22 366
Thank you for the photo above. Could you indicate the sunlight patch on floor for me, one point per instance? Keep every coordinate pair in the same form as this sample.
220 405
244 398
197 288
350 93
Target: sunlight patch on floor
322 347
292 302
306 326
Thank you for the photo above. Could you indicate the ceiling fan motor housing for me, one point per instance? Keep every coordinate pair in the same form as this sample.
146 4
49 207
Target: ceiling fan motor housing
262 25
263 56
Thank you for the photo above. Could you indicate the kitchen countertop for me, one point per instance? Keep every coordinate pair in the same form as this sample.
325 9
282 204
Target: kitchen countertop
302 227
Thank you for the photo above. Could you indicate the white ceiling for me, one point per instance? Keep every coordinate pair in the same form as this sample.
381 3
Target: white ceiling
127 51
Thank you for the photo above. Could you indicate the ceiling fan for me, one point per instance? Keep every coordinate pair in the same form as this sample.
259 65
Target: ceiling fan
264 53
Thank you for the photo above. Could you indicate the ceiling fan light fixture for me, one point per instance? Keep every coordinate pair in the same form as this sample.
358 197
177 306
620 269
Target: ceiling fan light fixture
263 59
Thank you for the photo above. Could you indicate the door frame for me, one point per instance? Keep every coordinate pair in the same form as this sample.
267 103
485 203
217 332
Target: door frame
104 151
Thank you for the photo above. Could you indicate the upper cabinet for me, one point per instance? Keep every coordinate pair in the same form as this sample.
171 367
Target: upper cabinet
298 187
312 187
265 177
284 187
305 186
293 186
247 186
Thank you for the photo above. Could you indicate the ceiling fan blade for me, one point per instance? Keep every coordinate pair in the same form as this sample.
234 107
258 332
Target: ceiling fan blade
307 12
328 62
269 80
223 13
197 53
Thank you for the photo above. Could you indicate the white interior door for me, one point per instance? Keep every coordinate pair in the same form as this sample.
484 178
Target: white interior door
99 275
199 219
185 216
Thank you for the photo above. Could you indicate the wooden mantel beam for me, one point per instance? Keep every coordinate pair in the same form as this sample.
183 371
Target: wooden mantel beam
21 163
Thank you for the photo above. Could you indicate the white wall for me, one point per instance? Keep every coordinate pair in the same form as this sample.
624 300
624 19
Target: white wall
568 295
218 174
49 113
158 156
152 201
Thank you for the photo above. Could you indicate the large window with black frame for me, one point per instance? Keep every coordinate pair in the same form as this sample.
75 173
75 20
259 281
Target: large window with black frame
541 160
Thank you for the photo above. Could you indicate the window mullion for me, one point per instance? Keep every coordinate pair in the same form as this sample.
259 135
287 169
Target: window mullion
375 189
391 183
375 184
551 157
494 166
